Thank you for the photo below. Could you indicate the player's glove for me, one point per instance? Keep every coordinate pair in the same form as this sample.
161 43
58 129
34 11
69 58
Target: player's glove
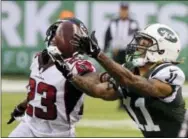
88 45
16 113
59 62
64 69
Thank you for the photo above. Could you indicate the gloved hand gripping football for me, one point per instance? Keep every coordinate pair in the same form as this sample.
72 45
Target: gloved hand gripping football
88 45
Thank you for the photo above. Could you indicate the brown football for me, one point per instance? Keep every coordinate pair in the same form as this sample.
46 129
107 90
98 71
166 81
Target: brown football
64 34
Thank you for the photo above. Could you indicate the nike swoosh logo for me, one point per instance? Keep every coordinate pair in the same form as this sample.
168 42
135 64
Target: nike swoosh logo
91 49
172 70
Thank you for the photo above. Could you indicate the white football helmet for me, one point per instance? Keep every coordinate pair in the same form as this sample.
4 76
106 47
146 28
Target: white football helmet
165 45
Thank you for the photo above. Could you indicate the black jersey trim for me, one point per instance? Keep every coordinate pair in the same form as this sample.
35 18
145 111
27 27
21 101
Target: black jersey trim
71 97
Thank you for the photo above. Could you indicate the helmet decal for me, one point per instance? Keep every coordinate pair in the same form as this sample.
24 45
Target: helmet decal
167 34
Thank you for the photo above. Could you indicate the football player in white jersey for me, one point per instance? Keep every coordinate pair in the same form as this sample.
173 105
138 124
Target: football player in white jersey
149 83
53 105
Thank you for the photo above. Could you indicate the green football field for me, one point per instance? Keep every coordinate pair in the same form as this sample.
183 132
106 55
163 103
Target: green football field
101 118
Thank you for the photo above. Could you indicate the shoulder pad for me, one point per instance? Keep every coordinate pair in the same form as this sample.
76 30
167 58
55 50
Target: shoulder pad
80 66
170 74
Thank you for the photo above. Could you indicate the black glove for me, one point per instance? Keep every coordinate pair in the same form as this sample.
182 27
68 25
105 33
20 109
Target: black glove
64 69
88 45
59 62
16 113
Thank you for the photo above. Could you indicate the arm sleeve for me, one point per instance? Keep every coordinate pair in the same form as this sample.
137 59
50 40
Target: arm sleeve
173 76
82 67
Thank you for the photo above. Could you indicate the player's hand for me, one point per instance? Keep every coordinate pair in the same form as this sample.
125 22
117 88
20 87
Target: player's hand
16 113
88 45
59 62
64 69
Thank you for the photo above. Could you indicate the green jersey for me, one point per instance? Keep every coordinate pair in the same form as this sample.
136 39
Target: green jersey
154 116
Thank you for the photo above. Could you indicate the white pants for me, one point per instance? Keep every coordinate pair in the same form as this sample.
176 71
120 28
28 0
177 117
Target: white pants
22 130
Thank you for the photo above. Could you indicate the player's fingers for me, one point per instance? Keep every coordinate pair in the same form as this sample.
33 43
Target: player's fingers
74 43
11 120
52 57
76 37
92 34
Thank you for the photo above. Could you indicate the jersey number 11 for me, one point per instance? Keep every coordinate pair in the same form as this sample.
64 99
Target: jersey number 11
140 103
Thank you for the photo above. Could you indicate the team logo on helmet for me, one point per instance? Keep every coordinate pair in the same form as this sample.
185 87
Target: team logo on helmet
167 34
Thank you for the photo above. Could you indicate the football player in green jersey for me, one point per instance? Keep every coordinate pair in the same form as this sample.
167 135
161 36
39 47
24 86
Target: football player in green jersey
149 83
184 127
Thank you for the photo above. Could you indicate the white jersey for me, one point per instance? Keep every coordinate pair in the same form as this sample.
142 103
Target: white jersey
54 104
171 75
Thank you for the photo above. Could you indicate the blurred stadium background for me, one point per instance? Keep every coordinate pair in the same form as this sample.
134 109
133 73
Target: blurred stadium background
24 24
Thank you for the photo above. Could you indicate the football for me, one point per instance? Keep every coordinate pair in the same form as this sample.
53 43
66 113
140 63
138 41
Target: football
64 34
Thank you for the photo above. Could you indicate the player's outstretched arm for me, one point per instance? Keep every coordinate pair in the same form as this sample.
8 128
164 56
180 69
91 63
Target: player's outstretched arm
91 85
122 75
88 83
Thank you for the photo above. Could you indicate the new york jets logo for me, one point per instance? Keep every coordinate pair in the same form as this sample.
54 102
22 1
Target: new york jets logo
167 34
